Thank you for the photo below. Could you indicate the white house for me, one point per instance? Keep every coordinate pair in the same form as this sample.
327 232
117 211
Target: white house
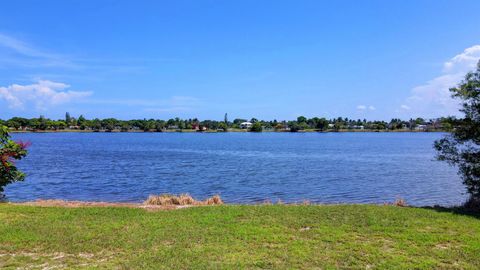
246 125
421 127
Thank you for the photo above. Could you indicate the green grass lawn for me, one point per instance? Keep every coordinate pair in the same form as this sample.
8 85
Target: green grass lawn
233 237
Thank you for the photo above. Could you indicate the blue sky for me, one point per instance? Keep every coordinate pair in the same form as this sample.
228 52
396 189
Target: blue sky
265 59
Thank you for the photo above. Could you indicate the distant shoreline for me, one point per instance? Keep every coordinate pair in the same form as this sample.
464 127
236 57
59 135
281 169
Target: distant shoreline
234 131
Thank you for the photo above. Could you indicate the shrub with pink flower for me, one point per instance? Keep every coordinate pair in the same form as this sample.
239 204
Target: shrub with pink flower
9 152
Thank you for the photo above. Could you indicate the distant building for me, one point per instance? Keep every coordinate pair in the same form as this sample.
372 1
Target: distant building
245 125
421 127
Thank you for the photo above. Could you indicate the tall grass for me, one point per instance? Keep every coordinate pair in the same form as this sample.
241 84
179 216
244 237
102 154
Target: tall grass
182 199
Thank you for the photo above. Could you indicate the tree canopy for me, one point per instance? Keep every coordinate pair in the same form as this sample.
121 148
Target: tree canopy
462 146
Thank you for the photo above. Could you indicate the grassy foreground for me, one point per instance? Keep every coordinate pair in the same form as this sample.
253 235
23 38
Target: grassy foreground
232 237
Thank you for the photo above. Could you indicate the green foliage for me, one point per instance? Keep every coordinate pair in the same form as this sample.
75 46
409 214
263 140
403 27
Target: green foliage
223 126
301 123
293 125
462 147
68 118
9 151
321 124
256 127
301 119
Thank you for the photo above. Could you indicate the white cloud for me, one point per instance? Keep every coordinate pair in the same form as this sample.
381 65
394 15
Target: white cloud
463 62
433 98
364 107
42 94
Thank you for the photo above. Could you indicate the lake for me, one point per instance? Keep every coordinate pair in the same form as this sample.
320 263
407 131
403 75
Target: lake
241 167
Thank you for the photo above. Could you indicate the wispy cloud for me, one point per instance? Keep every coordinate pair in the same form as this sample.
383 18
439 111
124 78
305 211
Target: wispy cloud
19 53
434 98
42 95
20 47
15 52
365 107
168 110
174 104
174 101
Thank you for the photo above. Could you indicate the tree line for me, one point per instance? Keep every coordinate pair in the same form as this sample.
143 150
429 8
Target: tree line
301 123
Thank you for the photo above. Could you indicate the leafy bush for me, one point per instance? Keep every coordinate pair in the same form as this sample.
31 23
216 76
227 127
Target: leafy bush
256 127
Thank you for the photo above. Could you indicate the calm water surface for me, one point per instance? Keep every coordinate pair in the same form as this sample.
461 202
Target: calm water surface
241 167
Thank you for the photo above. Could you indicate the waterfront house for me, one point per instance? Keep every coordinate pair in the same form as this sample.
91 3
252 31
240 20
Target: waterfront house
245 125
421 127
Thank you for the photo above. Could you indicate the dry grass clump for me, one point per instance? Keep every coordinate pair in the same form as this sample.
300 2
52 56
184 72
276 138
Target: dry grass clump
400 202
214 200
267 202
306 202
182 199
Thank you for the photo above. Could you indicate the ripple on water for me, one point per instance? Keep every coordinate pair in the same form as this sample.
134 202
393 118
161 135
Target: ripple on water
242 168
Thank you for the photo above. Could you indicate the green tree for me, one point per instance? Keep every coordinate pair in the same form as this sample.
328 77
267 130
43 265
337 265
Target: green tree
293 125
256 127
223 125
461 148
61 124
109 124
338 125
9 151
82 122
301 119
68 118
149 125
38 123
322 124
13 124
419 121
